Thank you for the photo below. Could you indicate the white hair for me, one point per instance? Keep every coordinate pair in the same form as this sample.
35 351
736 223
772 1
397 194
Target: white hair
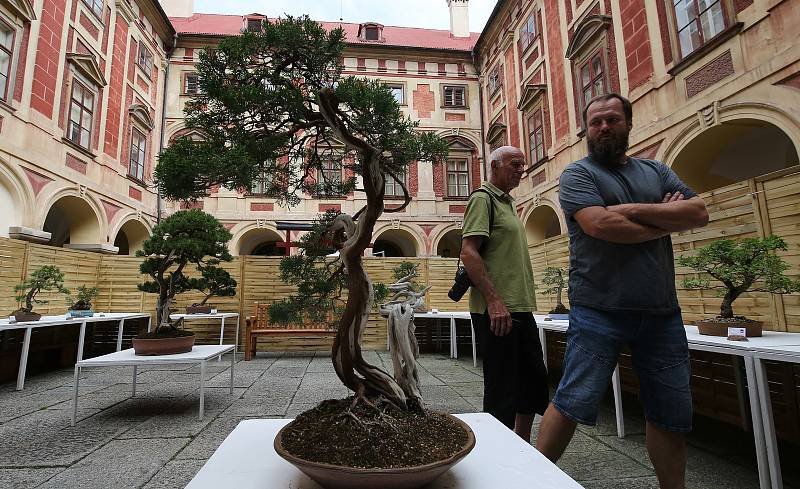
498 155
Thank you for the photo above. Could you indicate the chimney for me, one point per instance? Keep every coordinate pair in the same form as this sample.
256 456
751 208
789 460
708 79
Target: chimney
178 8
459 17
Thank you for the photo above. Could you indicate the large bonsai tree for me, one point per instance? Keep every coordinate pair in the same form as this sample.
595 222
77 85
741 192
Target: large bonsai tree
748 265
274 102
186 237
44 279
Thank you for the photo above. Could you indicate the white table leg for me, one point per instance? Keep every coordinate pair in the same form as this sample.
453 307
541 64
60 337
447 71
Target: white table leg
135 368
119 334
472 331
543 341
758 431
81 339
202 388
75 394
617 388
768 424
236 341
221 335
387 333
233 362
23 359
149 321
453 338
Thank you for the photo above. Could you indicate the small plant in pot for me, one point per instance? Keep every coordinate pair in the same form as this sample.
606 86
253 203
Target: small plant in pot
748 265
555 279
81 304
185 237
214 282
44 279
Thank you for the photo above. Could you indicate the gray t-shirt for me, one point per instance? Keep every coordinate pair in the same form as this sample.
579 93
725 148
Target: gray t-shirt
613 276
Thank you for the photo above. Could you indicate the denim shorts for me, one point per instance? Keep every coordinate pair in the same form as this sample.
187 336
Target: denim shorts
660 357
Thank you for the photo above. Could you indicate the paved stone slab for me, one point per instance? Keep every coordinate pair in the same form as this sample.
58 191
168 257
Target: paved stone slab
177 473
209 439
121 463
24 478
632 483
601 465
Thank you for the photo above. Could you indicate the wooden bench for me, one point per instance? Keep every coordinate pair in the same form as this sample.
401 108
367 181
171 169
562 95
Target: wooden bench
258 325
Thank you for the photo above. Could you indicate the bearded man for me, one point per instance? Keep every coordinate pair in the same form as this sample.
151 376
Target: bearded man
620 212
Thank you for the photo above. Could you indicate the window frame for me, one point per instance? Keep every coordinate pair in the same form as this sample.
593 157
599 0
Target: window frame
402 88
598 50
91 4
527 39
147 67
259 188
447 172
11 60
465 96
495 80
184 84
533 128
141 153
84 87
396 192
727 21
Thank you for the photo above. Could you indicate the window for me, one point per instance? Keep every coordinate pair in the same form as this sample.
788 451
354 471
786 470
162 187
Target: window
697 22
592 79
145 58
393 189
457 178
80 115
331 175
455 96
138 147
96 6
527 33
6 57
398 92
191 85
262 183
495 79
372 33
536 136
254 25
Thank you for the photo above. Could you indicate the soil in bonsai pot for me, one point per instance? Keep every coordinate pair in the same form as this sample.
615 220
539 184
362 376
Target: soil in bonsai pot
372 437
559 309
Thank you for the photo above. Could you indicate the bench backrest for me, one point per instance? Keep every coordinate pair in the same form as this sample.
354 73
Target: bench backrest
260 320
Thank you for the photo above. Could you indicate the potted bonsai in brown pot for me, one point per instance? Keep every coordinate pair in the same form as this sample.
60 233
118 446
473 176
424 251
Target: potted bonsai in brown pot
747 265
44 279
290 115
555 279
213 282
81 304
185 237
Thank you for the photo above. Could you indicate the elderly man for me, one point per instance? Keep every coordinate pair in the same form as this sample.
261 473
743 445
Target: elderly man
620 212
502 297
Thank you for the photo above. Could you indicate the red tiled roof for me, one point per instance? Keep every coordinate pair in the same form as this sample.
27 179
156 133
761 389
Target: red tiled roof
412 37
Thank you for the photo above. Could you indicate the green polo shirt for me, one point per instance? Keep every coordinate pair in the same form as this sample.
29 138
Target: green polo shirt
505 253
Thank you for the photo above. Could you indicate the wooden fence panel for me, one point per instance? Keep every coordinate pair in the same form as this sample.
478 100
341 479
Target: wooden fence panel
13 254
552 252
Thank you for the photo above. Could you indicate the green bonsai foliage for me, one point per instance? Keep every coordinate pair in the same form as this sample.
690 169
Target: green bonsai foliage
748 265
83 300
43 279
555 279
274 103
185 237
404 269
214 282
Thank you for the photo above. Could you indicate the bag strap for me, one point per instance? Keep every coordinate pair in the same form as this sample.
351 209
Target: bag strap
491 218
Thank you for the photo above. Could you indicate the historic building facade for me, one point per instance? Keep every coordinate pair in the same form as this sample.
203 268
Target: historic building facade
715 87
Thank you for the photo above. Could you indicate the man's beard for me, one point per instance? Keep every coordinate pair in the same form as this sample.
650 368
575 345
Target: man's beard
609 149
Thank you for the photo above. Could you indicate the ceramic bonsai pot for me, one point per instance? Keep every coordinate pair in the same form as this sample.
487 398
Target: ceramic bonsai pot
168 345
715 327
198 309
24 316
558 317
340 477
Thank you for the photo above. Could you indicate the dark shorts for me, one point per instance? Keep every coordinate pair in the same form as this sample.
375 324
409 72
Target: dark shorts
660 357
514 375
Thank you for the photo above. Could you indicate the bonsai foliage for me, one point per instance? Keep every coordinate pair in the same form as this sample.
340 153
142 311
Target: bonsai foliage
748 265
185 237
404 269
274 103
214 281
43 279
555 279
83 300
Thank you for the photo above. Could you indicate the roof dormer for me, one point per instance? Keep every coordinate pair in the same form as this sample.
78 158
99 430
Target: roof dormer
371 31
253 22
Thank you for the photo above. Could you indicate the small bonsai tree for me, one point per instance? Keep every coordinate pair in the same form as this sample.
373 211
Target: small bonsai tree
748 265
404 269
555 279
213 282
190 236
44 279
83 300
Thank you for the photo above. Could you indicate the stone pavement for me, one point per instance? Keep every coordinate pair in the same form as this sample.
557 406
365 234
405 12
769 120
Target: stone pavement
156 441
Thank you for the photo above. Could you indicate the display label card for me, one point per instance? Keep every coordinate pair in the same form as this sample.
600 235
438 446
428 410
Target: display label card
737 332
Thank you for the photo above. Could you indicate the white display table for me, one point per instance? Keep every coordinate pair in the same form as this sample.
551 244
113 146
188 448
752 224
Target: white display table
48 321
218 315
246 459
199 354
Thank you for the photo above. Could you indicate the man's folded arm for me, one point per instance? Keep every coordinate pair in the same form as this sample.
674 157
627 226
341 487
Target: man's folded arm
600 223
673 216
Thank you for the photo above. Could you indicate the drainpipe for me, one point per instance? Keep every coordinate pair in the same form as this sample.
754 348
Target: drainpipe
164 121
480 100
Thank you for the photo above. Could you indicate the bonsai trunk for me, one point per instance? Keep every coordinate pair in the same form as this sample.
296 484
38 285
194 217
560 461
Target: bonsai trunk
29 300
205 299
558 298
726 309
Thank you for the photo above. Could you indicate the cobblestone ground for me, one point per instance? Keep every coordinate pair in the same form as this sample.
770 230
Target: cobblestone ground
155 440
